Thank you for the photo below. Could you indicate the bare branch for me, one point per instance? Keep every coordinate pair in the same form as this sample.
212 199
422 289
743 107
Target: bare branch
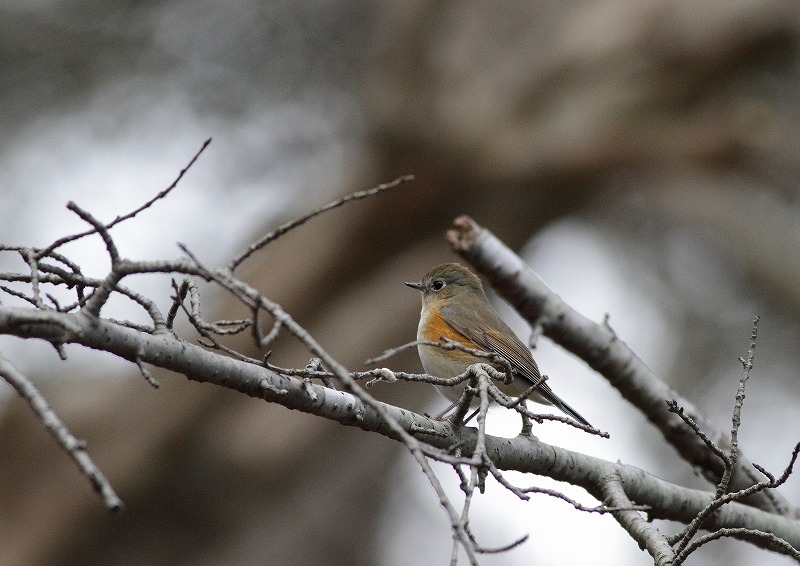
747 366
673 406
48 251
74 447
524 454
645 533
760 538
282 229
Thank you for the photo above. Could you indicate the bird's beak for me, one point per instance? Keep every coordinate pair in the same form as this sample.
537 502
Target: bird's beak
417 286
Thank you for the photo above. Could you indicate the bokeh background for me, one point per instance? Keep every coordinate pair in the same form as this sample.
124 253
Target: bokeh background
642 156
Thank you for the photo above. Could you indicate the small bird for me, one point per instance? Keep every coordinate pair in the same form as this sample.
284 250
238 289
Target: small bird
454 306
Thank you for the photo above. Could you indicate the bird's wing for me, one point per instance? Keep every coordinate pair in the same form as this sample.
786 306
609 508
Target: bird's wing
511 349
493 341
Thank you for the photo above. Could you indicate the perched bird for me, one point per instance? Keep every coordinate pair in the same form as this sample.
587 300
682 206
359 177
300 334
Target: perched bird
454 306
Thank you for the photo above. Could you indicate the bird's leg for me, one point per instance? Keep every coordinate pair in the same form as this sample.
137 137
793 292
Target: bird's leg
472 416
452 418
444 413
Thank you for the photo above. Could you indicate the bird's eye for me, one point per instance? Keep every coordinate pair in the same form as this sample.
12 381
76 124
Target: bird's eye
437 285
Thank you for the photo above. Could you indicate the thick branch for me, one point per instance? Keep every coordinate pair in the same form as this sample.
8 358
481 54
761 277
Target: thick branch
525 454
642 531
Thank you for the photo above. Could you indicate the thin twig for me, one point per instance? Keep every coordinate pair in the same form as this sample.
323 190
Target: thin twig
771 539
177 300
61 277
74 447
600 509
684 537
283 228
673 407
736 420
48 251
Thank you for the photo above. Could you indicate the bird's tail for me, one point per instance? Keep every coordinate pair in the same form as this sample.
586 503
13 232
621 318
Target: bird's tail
555 400
572 413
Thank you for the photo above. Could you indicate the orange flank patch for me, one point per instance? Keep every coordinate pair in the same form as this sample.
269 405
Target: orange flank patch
436 328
